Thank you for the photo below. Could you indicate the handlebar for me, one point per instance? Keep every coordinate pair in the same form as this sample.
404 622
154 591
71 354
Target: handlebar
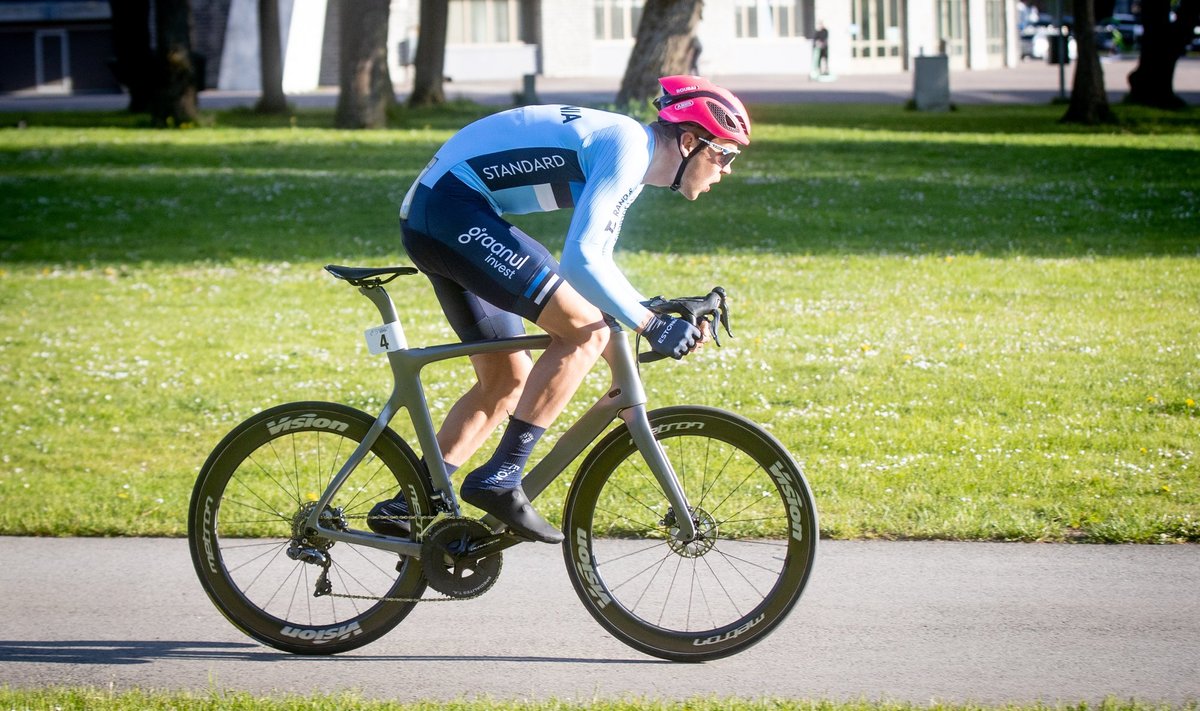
712 308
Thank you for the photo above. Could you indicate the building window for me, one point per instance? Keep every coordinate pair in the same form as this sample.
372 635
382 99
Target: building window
773 18
952 27
484 22
618 19
996 27
875 28
51 63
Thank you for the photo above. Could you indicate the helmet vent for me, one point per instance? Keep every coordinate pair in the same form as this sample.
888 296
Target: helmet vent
723 117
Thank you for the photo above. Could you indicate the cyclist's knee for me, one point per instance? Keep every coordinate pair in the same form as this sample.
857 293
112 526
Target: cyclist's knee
573 322
589 340
502 377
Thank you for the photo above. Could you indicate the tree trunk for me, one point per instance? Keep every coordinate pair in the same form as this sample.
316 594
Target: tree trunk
431 55
270 59
174 102
1089 102
132 59
663 47
1152 83
366 90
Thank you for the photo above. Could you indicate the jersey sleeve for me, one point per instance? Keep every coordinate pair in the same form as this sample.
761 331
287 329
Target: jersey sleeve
616 161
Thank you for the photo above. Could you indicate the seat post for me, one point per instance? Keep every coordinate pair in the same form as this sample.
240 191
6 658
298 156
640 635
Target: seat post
379 296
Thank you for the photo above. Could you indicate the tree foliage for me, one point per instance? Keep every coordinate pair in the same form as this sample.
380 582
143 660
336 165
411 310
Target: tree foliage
663 47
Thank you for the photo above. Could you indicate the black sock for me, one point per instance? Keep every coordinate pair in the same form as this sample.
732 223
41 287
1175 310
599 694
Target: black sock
503 470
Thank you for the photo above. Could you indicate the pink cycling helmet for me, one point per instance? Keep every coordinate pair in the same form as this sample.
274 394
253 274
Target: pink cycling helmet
697 100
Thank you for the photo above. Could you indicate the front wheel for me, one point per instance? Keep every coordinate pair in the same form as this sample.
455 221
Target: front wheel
264 570
725 590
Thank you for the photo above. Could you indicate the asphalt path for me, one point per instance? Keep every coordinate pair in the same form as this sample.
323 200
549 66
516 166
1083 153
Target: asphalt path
914 621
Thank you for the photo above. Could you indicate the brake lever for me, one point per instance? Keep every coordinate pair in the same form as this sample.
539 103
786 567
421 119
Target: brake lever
683 309
724 309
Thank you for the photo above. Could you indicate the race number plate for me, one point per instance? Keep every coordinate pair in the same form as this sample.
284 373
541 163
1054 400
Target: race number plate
389 337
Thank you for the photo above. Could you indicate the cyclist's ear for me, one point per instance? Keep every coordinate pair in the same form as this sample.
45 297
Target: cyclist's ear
687 143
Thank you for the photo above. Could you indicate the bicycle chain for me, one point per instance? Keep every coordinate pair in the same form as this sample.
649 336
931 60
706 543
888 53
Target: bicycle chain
349 596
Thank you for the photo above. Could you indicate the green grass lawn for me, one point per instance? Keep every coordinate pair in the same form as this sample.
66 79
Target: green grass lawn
67 699
973 325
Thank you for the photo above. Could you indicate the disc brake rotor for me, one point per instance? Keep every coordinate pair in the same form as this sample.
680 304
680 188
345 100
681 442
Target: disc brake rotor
450 567
706 533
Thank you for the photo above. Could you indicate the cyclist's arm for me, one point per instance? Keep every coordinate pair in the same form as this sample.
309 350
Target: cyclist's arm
616 169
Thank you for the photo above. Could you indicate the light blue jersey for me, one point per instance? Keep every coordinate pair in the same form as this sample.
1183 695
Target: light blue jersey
542 158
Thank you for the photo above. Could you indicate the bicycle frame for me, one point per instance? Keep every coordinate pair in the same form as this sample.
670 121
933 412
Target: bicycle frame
626 399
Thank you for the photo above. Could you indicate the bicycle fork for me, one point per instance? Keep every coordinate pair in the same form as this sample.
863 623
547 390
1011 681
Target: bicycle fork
626 400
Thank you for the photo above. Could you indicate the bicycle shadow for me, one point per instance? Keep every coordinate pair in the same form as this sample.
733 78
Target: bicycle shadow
119 652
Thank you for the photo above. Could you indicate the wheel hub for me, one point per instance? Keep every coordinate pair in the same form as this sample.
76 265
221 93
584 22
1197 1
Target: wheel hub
306 545
450 566
706 533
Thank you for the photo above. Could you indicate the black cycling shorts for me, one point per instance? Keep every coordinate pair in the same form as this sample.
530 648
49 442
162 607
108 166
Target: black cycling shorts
485 271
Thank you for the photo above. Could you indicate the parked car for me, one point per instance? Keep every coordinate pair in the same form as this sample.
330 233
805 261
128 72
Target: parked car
1036 36
1119 33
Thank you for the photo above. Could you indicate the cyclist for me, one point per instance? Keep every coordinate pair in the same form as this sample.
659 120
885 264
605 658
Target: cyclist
488 274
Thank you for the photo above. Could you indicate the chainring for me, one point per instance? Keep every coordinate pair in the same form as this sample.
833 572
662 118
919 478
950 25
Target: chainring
449 567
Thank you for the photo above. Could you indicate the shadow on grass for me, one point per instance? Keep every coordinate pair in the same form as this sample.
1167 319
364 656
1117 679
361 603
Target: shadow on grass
334 196
450 116
1014 119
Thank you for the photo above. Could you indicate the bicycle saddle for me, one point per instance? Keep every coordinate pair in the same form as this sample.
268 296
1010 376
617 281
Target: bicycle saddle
368 276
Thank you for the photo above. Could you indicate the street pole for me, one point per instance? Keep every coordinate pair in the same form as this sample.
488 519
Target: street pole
1062 54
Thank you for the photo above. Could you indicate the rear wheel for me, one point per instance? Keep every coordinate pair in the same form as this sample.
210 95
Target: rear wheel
260 566
723 591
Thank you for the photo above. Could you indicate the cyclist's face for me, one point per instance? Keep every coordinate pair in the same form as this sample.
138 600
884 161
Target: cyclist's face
706 168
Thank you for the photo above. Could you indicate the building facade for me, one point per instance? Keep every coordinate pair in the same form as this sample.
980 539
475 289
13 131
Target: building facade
60 45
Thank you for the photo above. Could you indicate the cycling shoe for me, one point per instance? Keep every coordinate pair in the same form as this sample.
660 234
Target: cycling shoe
513 509
381 519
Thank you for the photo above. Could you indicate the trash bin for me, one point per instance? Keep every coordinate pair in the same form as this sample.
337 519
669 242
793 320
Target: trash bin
1059 50
931 83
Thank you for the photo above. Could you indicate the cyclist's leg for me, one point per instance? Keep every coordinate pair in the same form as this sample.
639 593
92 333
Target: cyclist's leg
578 335
453 233
500 377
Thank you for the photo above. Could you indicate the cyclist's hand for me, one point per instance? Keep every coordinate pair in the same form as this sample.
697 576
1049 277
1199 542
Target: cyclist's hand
671 336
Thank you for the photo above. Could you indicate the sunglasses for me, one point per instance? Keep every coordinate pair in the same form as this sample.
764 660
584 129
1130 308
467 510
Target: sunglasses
726 154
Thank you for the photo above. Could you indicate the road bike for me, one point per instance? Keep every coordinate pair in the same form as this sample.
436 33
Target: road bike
690 531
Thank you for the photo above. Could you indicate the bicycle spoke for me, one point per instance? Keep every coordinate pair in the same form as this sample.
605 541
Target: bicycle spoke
256 544
359 489
652 546
272 515
735 490
730 557
648 528
670 587
274 554
342 574
721 585
371 561
704 490
333 463
650 582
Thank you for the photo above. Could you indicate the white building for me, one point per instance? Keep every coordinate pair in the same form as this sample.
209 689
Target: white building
506 39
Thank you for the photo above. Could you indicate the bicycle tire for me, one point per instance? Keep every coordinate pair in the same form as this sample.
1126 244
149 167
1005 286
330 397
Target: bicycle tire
253 488
724 592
